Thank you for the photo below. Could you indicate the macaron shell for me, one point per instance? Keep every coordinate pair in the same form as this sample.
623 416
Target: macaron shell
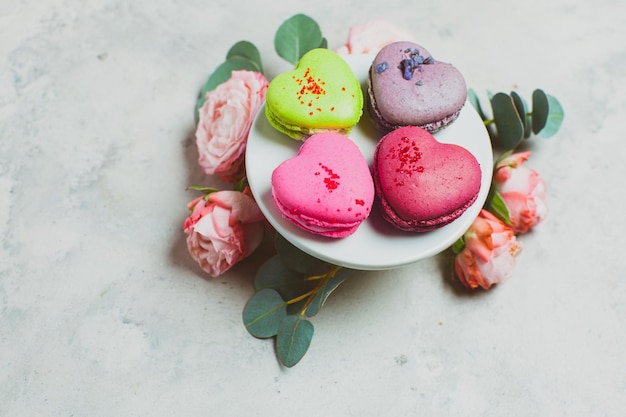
423 184
331 228
327 188
321 94
432 98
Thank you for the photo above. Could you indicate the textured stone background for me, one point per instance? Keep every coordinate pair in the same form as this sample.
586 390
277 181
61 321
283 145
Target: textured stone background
102 312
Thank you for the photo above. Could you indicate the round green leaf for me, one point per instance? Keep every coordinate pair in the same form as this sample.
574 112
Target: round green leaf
298 260
522 109
508 123
293 339
541 109
296 36
298 307
475 102
328 287
555 118
221 74
264 312
246 50
275 274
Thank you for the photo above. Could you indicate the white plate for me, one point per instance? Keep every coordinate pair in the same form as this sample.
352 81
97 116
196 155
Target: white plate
376 244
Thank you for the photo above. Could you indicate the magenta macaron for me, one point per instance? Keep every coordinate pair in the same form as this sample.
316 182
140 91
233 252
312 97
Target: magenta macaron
407 86
423 184
327 188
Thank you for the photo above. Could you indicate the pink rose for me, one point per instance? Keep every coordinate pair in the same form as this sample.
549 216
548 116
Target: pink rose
223 230
224 124
523 192
489 253
372 36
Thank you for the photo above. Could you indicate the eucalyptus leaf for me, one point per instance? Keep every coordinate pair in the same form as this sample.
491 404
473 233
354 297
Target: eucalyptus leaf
298 260
555 118
293 339
275 274
508 123
221 74
475 102
328 287
224 71
541 109
264 312
296 36
522 110
298 307
246 50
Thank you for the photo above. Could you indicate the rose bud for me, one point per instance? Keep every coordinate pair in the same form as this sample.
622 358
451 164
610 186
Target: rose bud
487 254
223 229
224 123
522 191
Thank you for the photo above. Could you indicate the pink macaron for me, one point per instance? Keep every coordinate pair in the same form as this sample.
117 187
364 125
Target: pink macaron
327 188
423 184
407 86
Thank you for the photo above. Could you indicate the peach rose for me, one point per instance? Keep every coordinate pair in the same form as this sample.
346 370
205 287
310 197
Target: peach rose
523 192
223 230
373 36
224 123
489 253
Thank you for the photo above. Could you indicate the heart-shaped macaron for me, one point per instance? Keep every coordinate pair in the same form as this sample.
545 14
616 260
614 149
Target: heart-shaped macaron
423 184
327 188
320 94
407 86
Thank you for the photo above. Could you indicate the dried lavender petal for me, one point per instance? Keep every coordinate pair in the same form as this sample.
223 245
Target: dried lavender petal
382 67
407 68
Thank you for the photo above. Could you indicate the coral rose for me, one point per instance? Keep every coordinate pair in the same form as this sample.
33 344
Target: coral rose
373 36
223 230
489 253
522 190
224 123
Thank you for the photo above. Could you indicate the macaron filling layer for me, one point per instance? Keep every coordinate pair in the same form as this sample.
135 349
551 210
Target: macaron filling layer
330 229
300 131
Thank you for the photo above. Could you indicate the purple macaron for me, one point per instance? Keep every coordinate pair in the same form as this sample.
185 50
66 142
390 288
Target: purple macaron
408 87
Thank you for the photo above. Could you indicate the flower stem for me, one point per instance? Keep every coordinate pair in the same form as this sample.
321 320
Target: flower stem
302 297
328 274
310 295
323 281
